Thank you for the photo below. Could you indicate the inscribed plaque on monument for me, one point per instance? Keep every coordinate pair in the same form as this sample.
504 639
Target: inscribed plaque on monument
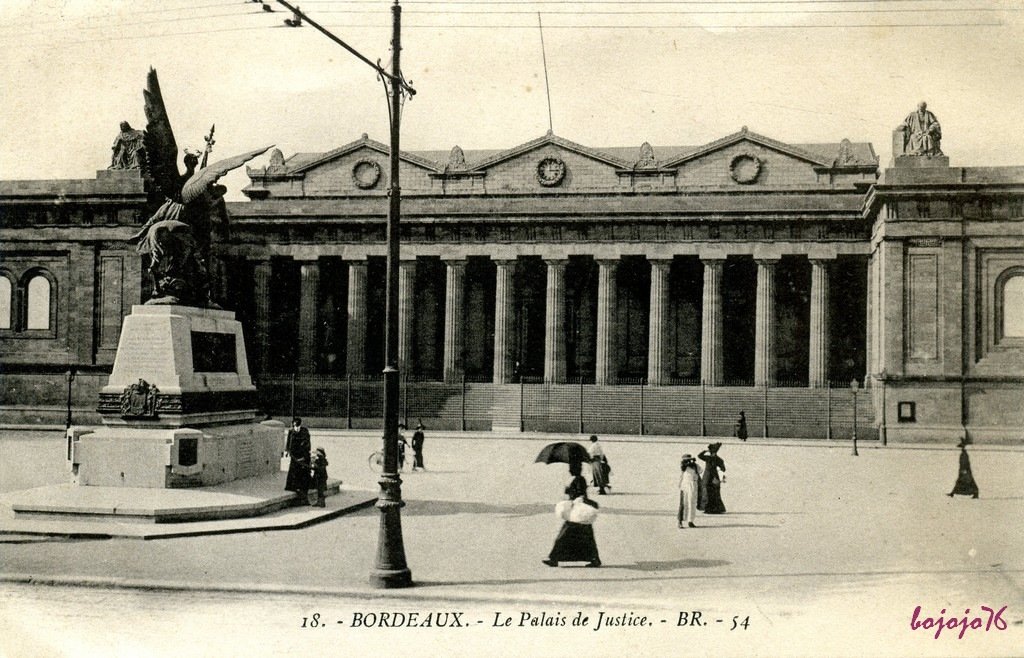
213 352
144 351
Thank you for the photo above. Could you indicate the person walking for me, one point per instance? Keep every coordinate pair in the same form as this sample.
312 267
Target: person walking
689 491
711 480
965 484
598 465
741 427
319 473
417 447
575 541
297 447
402 443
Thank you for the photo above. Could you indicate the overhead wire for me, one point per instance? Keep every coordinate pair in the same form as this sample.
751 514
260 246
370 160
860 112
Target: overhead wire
634 3
98 17
630 10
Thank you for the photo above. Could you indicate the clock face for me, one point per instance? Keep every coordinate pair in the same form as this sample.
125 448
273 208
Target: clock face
550 171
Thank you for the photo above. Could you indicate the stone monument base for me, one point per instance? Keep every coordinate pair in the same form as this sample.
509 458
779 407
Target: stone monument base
119 456
179 409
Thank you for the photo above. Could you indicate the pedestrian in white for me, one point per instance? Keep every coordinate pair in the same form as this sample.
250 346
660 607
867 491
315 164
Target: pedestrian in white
689 491
598 465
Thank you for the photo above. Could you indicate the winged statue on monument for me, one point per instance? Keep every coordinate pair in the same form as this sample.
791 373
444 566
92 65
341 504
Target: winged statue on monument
188 209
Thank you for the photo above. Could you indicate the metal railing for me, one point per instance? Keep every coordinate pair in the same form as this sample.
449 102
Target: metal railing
627 407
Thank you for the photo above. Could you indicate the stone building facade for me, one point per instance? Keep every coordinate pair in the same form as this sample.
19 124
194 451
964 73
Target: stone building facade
745 273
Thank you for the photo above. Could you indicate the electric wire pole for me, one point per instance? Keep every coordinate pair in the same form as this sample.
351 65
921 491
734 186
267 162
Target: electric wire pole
390 569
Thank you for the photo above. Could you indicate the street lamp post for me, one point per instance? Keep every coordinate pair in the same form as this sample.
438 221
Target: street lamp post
853 386
71 378
390 570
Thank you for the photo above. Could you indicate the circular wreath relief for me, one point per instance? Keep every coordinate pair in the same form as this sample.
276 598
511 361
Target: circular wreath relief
366 174
745 168
550 172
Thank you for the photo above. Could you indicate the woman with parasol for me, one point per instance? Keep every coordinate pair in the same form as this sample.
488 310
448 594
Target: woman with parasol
575 541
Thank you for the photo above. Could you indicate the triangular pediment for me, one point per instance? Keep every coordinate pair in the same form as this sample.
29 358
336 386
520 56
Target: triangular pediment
302 163
550 143
739 138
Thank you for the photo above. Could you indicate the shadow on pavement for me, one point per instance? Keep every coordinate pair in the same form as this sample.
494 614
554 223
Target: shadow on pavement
764 513
407 473
445 507
648 567
39 539
623 494
671 564
736 525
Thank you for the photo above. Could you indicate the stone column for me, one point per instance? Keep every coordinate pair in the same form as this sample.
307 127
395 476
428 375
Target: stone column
711 323
657 321
406 295
454 290
554 330
356 351
261 295
607 290
764 325
309 294
504 313
817 358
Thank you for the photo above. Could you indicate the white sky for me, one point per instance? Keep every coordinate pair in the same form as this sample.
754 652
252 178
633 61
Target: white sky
71 71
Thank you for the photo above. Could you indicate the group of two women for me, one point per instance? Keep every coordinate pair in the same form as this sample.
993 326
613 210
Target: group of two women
700 491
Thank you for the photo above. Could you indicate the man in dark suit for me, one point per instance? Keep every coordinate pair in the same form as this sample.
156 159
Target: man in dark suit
417 447
298 448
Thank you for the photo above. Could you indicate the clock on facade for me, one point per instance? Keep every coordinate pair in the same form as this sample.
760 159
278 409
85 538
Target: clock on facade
550 172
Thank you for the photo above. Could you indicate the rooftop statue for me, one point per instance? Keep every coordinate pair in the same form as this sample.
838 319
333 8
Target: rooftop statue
922 133
189 210
129 149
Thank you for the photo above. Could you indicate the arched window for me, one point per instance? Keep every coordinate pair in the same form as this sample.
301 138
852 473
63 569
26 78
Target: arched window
37 312
6 302
1013 307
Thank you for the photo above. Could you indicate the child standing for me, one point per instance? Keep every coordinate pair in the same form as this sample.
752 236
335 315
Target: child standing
320 476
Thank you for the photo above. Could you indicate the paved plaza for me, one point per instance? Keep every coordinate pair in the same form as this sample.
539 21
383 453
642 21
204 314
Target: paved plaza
820 552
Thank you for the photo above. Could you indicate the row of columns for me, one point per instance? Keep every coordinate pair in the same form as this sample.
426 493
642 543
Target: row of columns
555 337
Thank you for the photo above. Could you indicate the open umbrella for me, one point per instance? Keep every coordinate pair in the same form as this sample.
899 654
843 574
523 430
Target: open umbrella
564 452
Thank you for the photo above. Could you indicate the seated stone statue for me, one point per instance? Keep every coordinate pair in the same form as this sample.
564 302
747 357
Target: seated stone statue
922 133
129 149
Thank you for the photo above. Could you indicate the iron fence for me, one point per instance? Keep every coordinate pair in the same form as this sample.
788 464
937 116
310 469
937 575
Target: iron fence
626 407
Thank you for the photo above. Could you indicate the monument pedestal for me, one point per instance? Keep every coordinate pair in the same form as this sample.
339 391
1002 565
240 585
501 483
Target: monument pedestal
179 409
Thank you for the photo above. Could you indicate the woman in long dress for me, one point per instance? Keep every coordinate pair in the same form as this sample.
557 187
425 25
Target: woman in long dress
711 481
598 465
575 541
689 491
965 484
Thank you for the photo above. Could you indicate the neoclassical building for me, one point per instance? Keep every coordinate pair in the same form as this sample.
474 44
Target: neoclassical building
742 274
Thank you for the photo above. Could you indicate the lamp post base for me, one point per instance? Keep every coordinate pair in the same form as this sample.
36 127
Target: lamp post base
396 579
390 571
